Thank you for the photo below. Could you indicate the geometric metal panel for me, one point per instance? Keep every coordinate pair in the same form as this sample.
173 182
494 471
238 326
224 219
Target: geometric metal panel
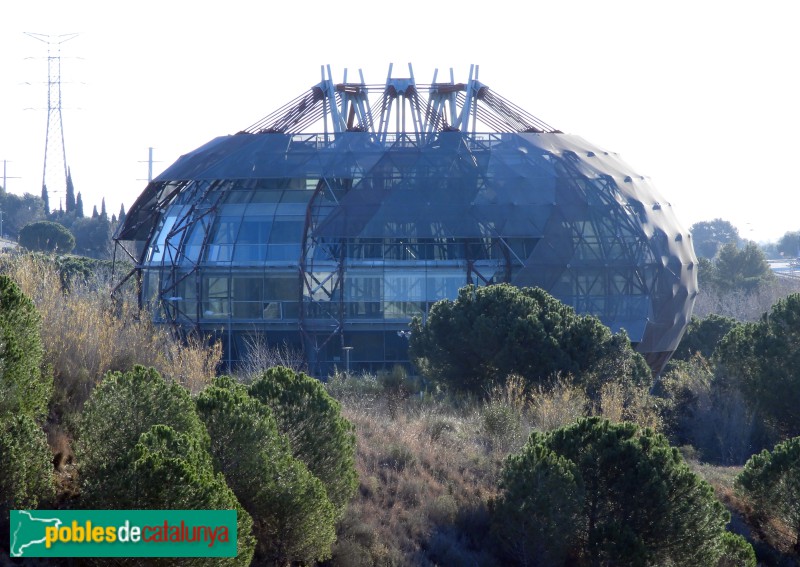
402 194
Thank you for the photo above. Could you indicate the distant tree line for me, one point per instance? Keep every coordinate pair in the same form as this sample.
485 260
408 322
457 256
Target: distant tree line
91 235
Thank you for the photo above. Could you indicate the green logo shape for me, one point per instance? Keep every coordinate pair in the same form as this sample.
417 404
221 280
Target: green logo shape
123 533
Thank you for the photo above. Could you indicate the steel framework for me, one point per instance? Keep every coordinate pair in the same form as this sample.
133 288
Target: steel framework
401 192
54 169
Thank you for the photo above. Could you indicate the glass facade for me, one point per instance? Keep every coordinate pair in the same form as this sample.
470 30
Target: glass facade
337 239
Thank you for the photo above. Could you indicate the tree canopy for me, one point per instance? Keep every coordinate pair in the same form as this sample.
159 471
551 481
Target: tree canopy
174 471
19 211
141 445
24 388
536 518
26 471
490 332
772 481
762 358
119 411
709 236
47 236
93 237
294 519
318 434
789 245
737 269
703 336
624 497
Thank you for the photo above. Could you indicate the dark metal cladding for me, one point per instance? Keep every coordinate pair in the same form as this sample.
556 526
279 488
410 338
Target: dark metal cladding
335 239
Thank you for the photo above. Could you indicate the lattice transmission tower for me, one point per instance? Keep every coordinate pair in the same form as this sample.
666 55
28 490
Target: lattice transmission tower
54 170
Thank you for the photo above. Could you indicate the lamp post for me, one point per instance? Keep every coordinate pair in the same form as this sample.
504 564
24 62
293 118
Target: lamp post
347 350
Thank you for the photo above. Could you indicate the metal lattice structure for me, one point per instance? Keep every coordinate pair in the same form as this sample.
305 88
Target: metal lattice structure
54 170
333 221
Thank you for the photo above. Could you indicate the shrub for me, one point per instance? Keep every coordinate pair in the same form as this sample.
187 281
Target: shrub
500 330
174 472
557 405
709 412
120 410
87 333
762 360
502 424
537 520
638 502
141 445
294 520
772 481
24 389
736 552
318 435
26 470
703 335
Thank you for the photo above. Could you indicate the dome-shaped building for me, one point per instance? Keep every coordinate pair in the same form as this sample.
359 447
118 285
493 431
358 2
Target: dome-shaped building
332 222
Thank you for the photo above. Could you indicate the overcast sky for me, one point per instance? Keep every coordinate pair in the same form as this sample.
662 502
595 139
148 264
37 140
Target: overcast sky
703 97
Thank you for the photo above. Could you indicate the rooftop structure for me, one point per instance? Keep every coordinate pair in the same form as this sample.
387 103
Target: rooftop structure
333 221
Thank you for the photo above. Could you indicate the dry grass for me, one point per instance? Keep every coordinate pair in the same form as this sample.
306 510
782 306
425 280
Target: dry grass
558 405
425 472
429 468
260 355
87 333
624 403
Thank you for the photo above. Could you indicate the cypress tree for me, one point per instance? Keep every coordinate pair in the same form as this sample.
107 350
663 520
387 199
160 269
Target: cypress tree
70 193
46 200
79 206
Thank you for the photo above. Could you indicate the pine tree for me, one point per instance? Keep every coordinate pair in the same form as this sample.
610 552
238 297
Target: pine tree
46 200
70 193
772 481
79 206
609 493
294 519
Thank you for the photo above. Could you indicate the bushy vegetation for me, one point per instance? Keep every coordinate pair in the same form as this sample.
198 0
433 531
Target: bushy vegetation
312 422
294 520
46 236
25 388
702 336
709 236
26 478
85 332
604 493
122 408
762 359
141 445
19 211
771 480
391 469
491 332
736 269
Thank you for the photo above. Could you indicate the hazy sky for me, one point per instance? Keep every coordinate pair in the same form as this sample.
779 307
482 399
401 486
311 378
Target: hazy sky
701 96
